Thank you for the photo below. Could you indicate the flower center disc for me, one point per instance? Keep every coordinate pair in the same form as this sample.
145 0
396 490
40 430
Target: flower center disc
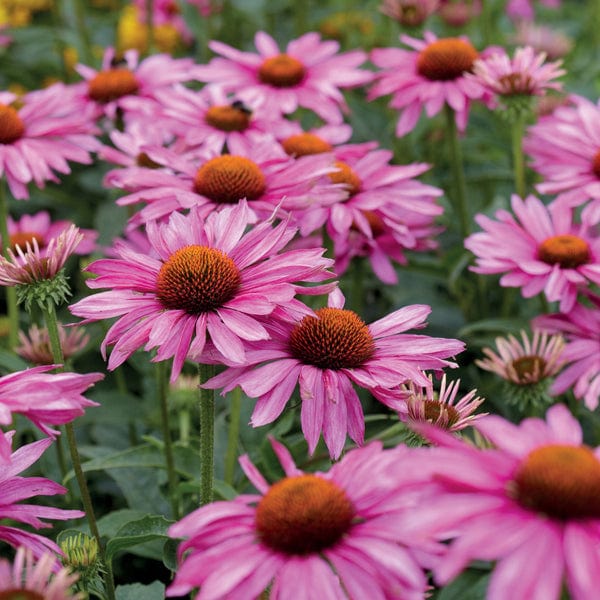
569 251
112 84
19 594
446 59
281 71
11 126
433 410
596 164
516 83
227 179
143 160
529 369
560 481
303 144
227 118
21 239
375 223
197 279
345 174
335 339
303 515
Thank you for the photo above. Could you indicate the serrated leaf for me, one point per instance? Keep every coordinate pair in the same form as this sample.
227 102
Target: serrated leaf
136 532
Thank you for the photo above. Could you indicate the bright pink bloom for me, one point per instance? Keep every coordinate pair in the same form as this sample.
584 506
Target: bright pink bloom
308 74
310 535
565 150
538 250
326 354
40 227
260 172
530 499
211 279
427 77
44 398
525 74
38 139
14 488
581 327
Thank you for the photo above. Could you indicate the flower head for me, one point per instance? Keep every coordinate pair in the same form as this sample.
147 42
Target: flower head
212 277
320 534
35 345
427 77
539 486
38 138
14 488
538 250
409 12
308 74
523 9
327 354
27 578
543 39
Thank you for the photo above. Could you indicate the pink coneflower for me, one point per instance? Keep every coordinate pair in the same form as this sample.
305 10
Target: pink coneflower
532 498
40 135
35 345
308 74
525 74
409 12
565 150
527 361
538 250
28 578
543 39
260 172
44 398
427 77
14 488
523 9
40 227
581 327
31 264
326 354
322 535
131 85
164 12
457 13
211 278
441 409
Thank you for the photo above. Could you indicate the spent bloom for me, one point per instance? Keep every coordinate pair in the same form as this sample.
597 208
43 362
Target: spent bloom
40 135
327 354
308 74
211 278
538 250
43 397
26 578
429 76
36 348
581 329
325 535
14 488
531 498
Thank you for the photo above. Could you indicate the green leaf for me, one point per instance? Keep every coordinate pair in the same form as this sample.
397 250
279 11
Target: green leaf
149 528
470 585
509 325
137 591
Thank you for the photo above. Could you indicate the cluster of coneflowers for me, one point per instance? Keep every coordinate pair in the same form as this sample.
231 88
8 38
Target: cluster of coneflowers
242 225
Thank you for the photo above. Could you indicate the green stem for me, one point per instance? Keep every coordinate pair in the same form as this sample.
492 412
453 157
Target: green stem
162 388
83 32
207 435
231 455
517 131
12 310
458 173
57 354
150 26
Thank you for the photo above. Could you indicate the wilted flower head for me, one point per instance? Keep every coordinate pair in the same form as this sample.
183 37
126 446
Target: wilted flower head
409 12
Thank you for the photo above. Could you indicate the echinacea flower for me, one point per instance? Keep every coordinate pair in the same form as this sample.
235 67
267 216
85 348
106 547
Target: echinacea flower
543 39
44 398
40 135
326 354
428 77
409 12
27 578
308 74
581 328
211 278
537 250
564 148
36 348
523 9
533 498
309 535
15 487
441 408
